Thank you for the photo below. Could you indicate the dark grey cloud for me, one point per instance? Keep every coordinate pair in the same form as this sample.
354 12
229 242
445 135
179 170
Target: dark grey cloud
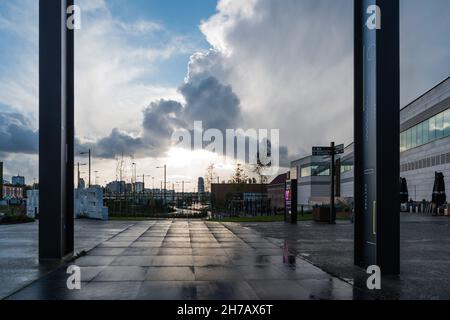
210 101
206 100
113 145
16 135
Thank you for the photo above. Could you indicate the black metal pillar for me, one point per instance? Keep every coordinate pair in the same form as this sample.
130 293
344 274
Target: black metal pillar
333 181
1 181
56 130
377 121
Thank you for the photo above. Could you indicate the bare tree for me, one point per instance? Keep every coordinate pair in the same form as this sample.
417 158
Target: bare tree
210 177
239 176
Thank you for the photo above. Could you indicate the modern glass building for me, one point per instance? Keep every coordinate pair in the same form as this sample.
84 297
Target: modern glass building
427 131
424 150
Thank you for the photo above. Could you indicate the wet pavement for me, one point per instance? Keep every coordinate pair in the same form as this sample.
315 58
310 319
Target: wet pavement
19 264
425 254
190 260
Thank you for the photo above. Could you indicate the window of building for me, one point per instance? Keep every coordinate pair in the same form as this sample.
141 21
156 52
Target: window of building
419 134
403 141
432 130
447 122
408 139
413 137
427 131
440 125
306 172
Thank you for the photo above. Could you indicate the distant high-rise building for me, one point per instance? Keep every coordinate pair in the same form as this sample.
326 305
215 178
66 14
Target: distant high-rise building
116 187
201 185
18 181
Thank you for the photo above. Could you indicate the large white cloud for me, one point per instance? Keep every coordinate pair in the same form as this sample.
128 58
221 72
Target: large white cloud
290 63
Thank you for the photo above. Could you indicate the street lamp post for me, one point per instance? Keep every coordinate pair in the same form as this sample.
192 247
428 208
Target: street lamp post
89 154
78 173
165 180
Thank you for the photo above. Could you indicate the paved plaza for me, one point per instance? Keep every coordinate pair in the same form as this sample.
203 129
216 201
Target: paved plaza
199 260
192 260
424 254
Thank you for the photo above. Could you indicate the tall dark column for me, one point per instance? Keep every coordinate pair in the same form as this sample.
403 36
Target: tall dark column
56 130
1 181
377 134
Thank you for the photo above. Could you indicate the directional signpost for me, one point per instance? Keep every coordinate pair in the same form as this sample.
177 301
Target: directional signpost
330 151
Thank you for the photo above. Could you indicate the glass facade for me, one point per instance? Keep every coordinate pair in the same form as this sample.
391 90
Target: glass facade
346 166
431 129
315 171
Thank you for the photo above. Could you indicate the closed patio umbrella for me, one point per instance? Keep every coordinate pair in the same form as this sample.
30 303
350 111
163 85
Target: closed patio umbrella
404 195
439 196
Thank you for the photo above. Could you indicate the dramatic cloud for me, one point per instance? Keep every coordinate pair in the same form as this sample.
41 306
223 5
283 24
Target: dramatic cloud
205 100
16 135
272 64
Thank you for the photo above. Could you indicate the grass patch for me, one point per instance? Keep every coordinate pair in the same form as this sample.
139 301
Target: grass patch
15 219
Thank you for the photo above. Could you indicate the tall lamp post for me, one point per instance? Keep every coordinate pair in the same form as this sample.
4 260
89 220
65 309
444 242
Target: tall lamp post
78 173
89 154
165 180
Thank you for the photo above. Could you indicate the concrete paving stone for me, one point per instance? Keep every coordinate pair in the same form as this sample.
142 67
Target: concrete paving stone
279 290
140 261
328 289
154 234
172 261
121 274
170 274
145 244
208 252
150 239
232 245
269 252
110 291
218 273
233 252
252 260
231 290
167 290
205 261
106 251
263 272
140 251
173 244
123 239
263 245
94 261
112 244
206 245
177 239
88 273
175 252
42 290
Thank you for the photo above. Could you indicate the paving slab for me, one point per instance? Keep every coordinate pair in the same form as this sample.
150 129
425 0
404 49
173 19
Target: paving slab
232 263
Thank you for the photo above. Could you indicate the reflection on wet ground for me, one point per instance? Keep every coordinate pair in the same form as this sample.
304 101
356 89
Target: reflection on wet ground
191 260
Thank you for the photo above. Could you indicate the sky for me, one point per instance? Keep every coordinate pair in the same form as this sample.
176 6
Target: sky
145 68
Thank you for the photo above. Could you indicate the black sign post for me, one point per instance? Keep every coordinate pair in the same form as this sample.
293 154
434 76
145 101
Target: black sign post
377 137
290 198
331 151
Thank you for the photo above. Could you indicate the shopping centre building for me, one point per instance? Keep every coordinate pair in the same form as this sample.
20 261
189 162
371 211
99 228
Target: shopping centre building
425 150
